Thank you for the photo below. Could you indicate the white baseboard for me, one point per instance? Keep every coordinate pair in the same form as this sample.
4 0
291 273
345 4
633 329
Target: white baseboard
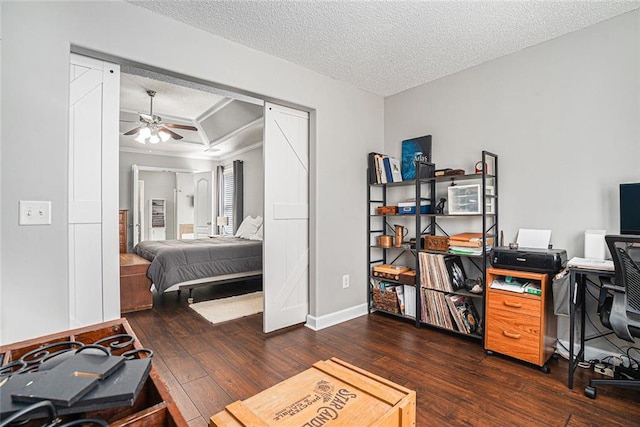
317 323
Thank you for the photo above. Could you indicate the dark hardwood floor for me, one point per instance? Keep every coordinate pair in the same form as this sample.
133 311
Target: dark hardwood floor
206 367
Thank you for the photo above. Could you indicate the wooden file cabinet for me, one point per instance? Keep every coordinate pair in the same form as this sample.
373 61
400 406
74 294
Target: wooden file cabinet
135 286
522 326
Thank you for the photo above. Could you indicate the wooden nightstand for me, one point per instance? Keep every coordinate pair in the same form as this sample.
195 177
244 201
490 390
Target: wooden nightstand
135 286
520 325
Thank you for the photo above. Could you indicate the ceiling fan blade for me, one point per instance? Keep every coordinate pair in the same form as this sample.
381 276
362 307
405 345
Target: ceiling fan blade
170 132
177 126
132 131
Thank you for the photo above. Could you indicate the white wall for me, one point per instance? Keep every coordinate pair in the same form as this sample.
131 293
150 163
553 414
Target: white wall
128 159
562 116
346 122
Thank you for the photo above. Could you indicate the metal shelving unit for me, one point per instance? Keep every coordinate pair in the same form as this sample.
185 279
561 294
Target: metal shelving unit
432 224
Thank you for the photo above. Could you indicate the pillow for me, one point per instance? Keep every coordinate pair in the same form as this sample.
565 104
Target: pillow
247 228
259 235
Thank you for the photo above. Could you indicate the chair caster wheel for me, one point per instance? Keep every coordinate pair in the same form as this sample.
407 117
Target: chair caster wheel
545 369
489 352
190 300
590 392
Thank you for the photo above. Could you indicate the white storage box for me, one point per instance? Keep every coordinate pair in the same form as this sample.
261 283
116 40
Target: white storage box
467 199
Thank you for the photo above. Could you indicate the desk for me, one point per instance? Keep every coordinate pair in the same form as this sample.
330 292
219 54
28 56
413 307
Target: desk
577 285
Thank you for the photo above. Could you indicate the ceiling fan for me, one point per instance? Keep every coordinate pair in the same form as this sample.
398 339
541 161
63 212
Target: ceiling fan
152 128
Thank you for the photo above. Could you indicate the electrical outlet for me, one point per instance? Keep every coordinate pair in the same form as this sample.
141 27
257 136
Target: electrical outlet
345 281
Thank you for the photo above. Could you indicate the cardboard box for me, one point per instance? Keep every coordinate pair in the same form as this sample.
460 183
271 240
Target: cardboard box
331 393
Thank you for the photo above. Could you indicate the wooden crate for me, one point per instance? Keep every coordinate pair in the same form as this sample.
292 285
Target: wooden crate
332 392
436 243
154 405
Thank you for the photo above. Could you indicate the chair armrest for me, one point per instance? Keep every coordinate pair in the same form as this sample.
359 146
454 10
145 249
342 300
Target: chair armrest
610 286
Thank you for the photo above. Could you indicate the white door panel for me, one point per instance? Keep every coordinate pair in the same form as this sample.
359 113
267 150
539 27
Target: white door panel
286 222
94 291
203 204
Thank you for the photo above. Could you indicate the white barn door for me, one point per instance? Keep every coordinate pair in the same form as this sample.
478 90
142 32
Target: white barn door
286 217
94 280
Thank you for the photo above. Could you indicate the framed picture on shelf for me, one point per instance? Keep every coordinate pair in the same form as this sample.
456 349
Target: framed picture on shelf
415 149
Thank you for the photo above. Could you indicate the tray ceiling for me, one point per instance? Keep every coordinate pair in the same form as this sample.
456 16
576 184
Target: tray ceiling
225 123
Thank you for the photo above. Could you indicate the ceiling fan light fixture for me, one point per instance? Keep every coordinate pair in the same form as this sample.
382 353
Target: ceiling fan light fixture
164 136
154 139
140 139
145 132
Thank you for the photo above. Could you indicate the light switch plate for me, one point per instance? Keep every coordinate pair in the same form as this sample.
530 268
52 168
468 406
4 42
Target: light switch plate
35 212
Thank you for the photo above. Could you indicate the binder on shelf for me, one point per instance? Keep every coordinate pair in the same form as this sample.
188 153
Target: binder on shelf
387 168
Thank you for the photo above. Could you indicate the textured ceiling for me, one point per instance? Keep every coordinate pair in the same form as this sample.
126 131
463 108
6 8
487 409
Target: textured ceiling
386 47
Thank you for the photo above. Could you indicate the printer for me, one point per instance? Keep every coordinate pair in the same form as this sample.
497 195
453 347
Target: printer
549 261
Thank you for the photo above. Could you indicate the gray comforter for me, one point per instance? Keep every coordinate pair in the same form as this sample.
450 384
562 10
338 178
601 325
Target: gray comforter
177 261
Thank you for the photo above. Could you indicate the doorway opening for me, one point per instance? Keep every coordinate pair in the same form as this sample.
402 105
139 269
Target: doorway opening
285 211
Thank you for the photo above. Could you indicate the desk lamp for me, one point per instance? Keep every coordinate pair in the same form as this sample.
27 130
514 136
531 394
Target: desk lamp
222 222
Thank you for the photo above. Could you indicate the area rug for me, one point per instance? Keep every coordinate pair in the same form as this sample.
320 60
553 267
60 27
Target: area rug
224 309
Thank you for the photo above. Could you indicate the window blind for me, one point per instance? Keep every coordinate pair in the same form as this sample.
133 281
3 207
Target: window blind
227 209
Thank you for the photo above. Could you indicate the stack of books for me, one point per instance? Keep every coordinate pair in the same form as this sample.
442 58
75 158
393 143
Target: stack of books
468 243
384 169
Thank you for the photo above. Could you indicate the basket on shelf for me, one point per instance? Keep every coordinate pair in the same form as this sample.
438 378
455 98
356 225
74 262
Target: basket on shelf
436 243
386 299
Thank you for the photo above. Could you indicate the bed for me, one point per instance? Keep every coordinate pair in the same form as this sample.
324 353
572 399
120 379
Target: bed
186 264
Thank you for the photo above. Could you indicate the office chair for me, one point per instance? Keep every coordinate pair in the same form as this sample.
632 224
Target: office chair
621 310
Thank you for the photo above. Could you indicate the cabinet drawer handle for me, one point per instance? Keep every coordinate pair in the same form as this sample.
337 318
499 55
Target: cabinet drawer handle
510 335
512 304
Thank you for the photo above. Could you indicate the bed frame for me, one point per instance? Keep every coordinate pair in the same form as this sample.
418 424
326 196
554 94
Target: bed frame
216 280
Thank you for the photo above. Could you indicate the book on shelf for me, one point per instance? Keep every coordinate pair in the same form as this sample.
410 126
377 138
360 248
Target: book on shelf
381 170
400 293
396 171
472 240
387 168
374 177
415 149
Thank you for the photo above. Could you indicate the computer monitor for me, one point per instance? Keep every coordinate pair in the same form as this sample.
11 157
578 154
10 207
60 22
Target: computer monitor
630 208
